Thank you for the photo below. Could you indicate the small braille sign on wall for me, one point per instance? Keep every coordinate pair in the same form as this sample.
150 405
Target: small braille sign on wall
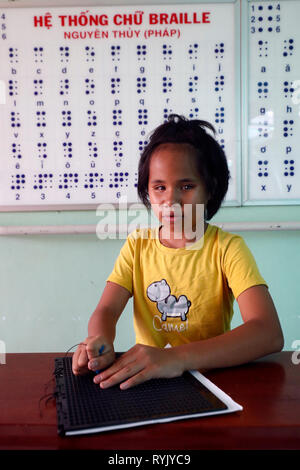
272 167
81 89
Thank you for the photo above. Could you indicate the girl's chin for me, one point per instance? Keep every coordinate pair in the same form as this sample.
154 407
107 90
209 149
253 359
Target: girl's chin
172 219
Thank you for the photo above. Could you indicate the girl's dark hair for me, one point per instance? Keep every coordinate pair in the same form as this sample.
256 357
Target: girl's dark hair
211 160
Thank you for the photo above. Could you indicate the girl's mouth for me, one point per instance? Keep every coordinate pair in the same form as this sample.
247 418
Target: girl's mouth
171 216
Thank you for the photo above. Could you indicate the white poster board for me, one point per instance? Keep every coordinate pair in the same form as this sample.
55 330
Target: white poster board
272 159
81 88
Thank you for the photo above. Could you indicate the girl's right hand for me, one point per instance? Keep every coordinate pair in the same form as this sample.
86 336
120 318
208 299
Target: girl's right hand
87 358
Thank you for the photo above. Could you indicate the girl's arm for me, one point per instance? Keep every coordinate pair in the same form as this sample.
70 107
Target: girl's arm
108 311
101 330
259 335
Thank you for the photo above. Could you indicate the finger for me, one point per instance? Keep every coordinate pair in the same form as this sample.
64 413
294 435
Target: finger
124 373
137 379
82 359
79 361
101 362
93 345
118 365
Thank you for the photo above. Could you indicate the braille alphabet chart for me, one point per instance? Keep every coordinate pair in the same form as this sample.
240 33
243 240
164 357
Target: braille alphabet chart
81 88
272 170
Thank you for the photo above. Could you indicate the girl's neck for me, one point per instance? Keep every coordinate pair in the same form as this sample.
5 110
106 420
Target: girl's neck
170 240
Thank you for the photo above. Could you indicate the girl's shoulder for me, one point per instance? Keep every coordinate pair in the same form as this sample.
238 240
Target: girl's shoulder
225 241
223 235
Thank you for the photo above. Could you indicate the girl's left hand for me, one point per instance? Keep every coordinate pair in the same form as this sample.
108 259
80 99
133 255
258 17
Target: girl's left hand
139 364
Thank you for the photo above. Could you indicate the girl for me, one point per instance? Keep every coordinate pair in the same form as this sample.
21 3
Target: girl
183 281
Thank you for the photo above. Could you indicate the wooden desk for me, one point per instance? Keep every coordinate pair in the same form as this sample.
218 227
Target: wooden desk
268 389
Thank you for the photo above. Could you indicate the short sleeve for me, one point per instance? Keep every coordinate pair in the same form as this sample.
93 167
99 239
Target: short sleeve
240 267
122 272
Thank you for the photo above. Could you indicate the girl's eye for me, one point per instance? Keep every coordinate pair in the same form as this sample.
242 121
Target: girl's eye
185 187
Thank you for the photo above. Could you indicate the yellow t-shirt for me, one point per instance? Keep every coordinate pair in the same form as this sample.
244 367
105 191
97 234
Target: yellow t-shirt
182 295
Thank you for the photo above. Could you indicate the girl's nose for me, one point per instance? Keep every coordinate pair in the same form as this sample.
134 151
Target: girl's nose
171 197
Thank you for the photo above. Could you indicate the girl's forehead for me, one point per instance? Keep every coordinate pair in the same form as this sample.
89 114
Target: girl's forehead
175 147
174 155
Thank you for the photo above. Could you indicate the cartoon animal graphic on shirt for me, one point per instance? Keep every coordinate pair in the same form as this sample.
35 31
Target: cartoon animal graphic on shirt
168 305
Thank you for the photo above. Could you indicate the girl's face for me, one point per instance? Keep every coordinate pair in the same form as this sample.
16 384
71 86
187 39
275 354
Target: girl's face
175 187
